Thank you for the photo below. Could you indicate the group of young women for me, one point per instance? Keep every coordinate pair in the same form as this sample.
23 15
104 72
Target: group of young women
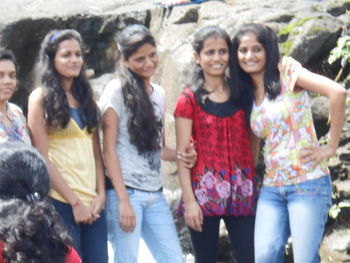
239 93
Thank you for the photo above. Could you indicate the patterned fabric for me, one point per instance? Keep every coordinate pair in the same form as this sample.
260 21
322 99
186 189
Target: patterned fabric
18 130
139 171
223 179
287 126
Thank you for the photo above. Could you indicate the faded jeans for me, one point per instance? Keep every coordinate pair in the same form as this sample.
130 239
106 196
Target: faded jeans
298 210
154 223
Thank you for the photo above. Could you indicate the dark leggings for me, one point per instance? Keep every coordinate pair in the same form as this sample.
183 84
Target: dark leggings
90 241
241 233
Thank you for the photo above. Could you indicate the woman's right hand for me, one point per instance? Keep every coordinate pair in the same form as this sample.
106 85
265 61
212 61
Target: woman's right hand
194 216
189 156
127 217
82 214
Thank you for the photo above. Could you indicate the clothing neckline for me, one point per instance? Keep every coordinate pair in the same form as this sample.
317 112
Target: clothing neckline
261 104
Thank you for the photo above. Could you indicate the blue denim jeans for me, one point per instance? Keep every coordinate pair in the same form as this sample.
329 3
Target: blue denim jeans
154 223
89 240
298 210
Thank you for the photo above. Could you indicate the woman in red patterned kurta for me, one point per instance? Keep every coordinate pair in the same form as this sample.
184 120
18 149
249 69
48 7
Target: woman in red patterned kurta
222 184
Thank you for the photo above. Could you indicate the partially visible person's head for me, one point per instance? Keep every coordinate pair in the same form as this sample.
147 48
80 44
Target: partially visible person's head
30 229
23 173
255 51
60 59
138 64
258 37
61 52
206 33
138 49
212 47
8 74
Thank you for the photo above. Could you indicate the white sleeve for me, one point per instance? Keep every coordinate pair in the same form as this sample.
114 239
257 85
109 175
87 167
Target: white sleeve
112 97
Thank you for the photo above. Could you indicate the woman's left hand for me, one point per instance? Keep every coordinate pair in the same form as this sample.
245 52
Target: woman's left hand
97 206
317 154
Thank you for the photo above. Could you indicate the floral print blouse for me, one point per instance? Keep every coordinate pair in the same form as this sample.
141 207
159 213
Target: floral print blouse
18 130
286 125
223 179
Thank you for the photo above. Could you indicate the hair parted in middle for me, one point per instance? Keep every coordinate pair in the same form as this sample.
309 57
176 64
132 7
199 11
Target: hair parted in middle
268 39
143 126
198 79
55 104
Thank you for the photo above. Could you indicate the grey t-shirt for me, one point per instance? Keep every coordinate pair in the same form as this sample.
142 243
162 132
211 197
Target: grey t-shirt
140 171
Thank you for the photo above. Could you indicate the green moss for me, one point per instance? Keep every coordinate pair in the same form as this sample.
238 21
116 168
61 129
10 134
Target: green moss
317 29
287 47
286 30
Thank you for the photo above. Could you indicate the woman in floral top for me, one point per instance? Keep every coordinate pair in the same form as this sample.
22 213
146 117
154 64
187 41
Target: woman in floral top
12 122
222 184
296 192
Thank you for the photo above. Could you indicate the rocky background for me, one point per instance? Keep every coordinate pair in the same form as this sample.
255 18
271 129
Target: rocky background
307 30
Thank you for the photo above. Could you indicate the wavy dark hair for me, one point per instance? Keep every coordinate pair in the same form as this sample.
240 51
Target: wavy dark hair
30 229
55 103
268 39
143 126
8 55
198 78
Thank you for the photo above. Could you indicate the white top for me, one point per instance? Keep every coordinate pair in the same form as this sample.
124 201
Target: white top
140 171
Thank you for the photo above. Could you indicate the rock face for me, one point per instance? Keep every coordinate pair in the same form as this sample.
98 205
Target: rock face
307 30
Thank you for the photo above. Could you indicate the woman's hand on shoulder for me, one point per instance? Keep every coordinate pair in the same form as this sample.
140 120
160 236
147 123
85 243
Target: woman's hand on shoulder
288 65
193 216
289 70
127 217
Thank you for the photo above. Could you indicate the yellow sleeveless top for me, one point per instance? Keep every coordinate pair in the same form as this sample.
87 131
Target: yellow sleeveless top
71 151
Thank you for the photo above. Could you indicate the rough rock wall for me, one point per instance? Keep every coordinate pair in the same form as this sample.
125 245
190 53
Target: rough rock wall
307 30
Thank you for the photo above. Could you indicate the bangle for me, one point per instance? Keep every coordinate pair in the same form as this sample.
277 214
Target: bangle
76 203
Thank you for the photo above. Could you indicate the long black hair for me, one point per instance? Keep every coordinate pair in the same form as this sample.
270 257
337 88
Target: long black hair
198 43
143 126
30 229
268 39
55 104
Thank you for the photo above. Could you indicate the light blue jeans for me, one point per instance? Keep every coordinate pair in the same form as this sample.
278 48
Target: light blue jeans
154 223
298 210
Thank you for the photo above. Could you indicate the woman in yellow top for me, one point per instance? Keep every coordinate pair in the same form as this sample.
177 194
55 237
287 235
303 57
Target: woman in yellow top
63 119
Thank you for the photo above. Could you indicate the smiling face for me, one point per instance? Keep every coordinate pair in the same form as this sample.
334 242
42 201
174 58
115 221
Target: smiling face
213 57
144 61
251 54
8 79
68 59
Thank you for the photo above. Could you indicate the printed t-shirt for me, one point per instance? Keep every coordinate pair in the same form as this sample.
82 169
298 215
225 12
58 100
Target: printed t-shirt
286 125
139 171
223 178
18 130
